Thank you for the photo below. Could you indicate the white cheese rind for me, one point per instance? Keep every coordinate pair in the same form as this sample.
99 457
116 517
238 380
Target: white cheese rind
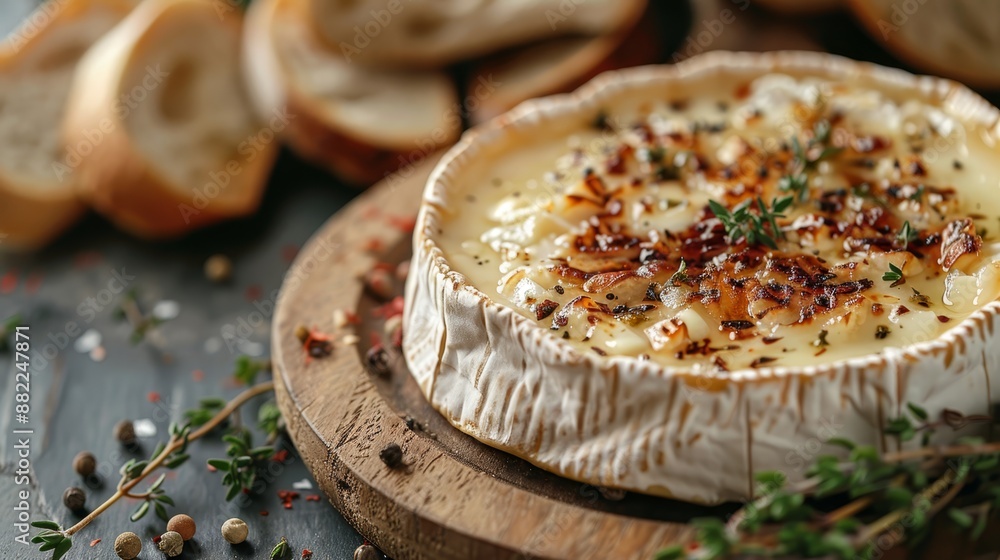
622 422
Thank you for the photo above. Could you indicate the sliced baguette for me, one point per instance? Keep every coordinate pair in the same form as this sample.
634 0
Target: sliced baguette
431 34
361 123
178 145
958 39
499 82
37 195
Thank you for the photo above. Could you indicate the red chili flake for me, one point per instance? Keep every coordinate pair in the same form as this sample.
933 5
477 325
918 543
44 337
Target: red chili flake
153 397
33 283
212 469
156 539
95 542
405 224
286 497
86 259
280 456
197 375
263 513
313 498
317 345
8 283
289 252
391 309
253 293
374 245
306 553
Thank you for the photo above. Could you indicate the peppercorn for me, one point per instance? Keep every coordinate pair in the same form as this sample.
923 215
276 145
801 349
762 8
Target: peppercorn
125 432
378 360
85 463
366 552
128 545
392 456
74 499
235 531
218 268
320 348
182 524
171 543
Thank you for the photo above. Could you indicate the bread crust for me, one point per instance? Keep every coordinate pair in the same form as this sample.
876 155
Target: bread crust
121 182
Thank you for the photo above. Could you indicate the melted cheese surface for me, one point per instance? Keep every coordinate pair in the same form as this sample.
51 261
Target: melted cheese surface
608 239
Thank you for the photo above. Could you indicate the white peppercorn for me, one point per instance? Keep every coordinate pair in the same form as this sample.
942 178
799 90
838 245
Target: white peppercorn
128 545
171 543
235 531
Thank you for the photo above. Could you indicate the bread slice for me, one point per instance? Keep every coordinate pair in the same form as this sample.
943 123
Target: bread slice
959 39
499 82
402 32
359 122
174 143
37 198
730 25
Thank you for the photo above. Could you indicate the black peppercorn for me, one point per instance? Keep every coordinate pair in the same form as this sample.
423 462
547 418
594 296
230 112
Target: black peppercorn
125 432
378 360
85 463
74 499
392 456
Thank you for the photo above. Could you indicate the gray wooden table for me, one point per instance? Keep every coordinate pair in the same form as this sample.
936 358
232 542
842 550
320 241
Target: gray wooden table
72 287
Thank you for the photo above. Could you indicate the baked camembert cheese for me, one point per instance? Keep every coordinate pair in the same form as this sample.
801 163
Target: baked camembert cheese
718 225
790 221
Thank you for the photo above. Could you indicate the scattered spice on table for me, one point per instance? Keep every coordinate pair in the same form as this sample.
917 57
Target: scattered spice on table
153 397
306 553
313 498
253 293
95 542
280 456
378 360
85 463
286 497
74 499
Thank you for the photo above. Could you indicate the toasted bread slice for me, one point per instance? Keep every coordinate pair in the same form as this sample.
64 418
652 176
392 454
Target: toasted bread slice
359 122
501 81
37 195
430 34
958 39
730 25
174 142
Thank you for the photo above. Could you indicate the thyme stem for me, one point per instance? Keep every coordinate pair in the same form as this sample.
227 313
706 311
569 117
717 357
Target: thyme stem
174 444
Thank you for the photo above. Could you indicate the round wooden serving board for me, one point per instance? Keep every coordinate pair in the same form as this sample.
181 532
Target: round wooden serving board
457 498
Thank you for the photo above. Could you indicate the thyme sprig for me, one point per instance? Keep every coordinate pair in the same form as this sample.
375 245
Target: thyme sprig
874 493
894 275
168 455
241 468
757 228
806 159
907 235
